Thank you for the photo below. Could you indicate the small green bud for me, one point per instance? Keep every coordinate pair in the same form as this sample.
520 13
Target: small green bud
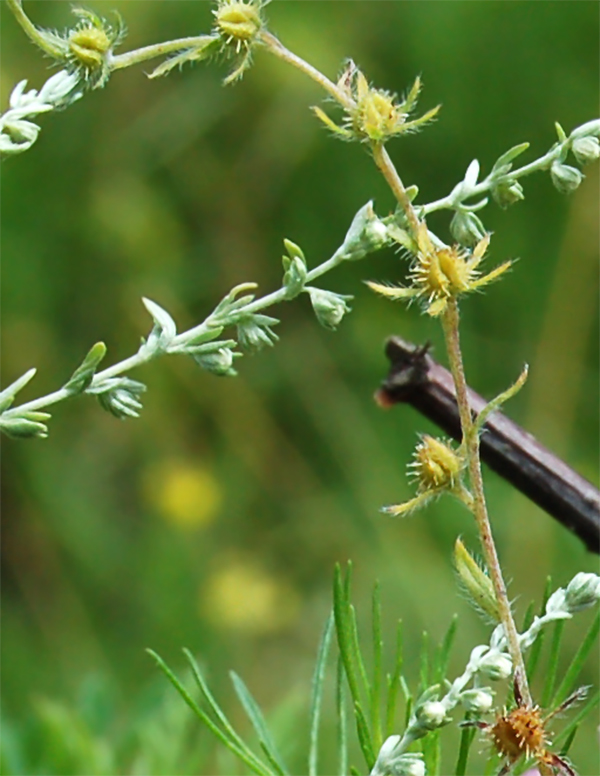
402 764
25 426
586 149
496 666
329 307
582 592
479 700
466 228
506 192
219 363
84 374
565 178
295 271
254 332
475 582
119 396
366 234
431 715
294 251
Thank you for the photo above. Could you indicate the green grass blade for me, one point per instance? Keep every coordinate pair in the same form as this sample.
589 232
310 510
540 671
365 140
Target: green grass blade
377 660
467 737
424 663
274 764
581 656
343 630
536 648
443 656
342 721
242 752
364 737
553 663
362 671
528 618
317 695
588 707
564 750
432 752
394 683
408 700
255 716
212 703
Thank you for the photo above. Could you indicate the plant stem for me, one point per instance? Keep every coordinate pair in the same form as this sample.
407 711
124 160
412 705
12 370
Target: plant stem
450 320
32 32
134 57
385 164
277 48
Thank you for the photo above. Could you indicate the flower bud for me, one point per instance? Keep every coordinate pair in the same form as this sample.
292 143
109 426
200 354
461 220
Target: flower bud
294 266
466 228
479 701
219 362
582 592
586 149
507 192
29 424
119 396
495 666
329 307
254 333
402 764
565 178
431 715
367 233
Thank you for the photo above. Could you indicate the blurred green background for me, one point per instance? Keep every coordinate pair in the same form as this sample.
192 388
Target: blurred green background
214 521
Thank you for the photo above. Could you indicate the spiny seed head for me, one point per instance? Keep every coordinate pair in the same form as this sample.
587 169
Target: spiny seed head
89 46
520 732
238 21
374 115
436 465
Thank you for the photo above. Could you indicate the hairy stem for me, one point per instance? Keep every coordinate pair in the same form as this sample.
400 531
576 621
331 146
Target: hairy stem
32 32
385 164
471 441
277 48
134 57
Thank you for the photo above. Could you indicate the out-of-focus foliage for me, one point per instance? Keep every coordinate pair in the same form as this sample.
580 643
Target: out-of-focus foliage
214 520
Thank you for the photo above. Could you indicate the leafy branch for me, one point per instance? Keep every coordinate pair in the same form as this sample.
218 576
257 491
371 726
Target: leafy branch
240 308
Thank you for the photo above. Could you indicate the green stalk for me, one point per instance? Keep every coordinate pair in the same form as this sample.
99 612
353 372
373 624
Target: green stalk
450 319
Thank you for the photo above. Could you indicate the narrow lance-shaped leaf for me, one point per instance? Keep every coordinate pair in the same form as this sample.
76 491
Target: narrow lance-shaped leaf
220 715
205 719
84 374
7 396
255 716
578 661
503 163
318 682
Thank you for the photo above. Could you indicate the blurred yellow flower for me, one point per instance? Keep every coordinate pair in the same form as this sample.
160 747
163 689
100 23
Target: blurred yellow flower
186 494
243 596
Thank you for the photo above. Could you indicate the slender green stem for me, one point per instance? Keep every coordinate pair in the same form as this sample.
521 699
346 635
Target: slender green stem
277 48
385 164
134 57
43 41
450 321
543 163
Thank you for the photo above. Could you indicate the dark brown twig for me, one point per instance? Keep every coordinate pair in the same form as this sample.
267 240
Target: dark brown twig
415 378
